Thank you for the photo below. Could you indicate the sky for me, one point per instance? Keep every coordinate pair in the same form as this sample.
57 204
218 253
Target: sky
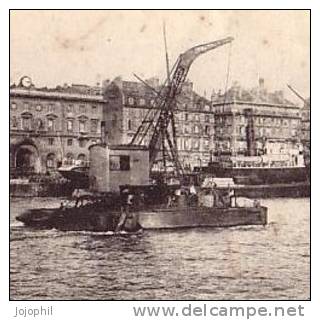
87 47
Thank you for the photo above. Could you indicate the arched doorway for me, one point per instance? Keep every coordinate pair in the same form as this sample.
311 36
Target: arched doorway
27 159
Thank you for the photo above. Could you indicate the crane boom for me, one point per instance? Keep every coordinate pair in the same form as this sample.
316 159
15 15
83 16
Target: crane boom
166 106
298 94
156 124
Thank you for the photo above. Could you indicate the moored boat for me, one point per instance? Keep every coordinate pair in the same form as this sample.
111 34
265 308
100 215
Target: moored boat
91 218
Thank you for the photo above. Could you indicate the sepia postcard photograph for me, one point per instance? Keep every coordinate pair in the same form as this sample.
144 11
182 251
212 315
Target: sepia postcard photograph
159 155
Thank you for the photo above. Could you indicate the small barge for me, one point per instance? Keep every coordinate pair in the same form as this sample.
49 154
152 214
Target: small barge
153 207
93 218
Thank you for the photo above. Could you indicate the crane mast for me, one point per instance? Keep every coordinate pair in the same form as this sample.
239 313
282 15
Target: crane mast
165 104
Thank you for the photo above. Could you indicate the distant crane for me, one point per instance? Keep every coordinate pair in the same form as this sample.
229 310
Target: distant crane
159 121
306 102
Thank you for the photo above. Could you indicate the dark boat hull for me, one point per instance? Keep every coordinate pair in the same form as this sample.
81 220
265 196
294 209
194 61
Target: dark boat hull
77 219
258 176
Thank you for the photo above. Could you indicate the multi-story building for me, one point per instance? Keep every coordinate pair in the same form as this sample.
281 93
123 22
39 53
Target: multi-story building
48 126
129 102
251 122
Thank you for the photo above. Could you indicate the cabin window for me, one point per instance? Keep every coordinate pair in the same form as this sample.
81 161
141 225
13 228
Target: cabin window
119 163
51 160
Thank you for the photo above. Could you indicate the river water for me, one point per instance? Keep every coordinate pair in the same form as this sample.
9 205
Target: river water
271 262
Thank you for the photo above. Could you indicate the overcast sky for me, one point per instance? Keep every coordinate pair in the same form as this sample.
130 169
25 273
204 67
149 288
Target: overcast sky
56 47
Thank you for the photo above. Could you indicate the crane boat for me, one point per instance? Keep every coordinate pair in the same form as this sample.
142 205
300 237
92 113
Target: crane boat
122 197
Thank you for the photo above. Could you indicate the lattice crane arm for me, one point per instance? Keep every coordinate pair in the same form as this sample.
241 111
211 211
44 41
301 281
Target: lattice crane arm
180 72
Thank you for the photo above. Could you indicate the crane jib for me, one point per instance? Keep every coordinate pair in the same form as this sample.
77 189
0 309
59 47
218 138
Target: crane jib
167 103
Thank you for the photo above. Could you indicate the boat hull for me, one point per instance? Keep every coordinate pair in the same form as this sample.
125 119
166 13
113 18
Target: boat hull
259 176
77 219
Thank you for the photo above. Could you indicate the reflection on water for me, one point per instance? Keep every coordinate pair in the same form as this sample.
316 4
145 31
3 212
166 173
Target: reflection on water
235 263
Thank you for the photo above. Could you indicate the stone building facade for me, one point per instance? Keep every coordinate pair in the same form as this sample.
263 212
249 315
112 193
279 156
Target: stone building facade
49 126
253 122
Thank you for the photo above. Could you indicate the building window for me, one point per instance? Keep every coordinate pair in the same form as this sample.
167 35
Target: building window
142 102
131 101
206 118
69 142
69 125
50 125
206 144
82 143
94 125
39 107
14 122
94 109
39 124
196 117
50 108
26 123
51 141
82 126
129 124
186 117
82 108
70 108
196 144
196 129
50 161
13 106
119 163
26 106
207 130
